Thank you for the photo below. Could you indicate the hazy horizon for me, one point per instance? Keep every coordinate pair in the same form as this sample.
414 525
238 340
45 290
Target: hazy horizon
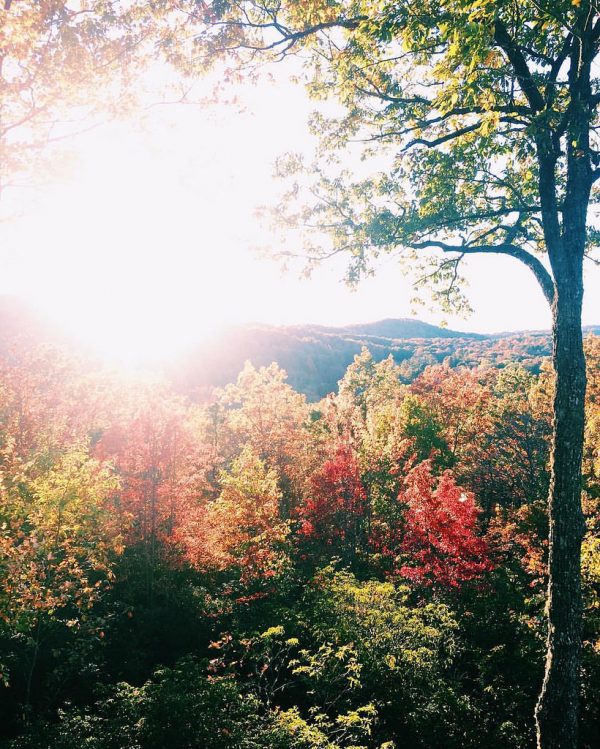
144 240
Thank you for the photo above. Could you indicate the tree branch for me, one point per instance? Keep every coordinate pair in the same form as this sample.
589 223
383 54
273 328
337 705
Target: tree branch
288 37
517 60
555 69
542 275
443 138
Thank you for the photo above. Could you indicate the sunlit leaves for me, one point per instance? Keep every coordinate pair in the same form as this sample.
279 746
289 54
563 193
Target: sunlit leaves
440 111
59 538
62 65
333 516
430 604
440 541
242 527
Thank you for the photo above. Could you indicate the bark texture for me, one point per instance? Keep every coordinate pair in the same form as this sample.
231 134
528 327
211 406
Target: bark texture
557 709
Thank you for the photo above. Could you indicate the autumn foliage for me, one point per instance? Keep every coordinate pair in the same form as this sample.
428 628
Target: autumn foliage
334 513
130 512
441 542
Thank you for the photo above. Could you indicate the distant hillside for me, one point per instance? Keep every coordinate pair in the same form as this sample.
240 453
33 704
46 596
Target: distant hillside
404 328
314 356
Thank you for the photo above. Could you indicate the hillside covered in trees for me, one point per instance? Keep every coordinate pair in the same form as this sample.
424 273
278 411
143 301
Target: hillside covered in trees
255 570
315 358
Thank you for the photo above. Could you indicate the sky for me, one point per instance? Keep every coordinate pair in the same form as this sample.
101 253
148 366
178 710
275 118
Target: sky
145 239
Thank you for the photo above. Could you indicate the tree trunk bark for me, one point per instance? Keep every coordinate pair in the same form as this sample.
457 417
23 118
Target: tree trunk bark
557 708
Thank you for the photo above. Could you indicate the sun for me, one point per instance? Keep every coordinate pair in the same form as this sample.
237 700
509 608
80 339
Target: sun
145 247
145 244
121 258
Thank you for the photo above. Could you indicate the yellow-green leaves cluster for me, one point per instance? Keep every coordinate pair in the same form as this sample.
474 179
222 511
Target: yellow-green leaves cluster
58 538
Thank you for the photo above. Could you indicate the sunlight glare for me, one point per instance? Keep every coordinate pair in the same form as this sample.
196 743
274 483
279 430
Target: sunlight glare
146 247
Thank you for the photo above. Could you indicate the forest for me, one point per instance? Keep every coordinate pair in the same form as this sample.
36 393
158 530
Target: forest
254 570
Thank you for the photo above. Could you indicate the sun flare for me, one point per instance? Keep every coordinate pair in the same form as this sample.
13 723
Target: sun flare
144 248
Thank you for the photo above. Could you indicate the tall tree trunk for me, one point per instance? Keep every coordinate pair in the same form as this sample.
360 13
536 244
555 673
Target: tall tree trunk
557 708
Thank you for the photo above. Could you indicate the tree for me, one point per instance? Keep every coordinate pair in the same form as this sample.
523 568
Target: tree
162 466
149 439
58 537
265 412
334 514
459 398
242 528
60 64
481 117
591 460
367 384
486 112
514 450
439 538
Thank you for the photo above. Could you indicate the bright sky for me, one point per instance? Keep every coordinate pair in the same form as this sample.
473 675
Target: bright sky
146 241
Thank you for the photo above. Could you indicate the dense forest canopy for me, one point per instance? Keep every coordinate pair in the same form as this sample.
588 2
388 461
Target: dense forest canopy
258 571
489 111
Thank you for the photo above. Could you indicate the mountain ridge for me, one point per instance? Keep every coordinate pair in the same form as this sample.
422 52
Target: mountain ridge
315 357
